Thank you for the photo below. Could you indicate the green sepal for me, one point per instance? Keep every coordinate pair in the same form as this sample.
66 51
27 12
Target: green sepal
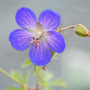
81 30
55 56
52 53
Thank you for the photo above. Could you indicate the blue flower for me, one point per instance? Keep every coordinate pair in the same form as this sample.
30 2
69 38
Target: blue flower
39 36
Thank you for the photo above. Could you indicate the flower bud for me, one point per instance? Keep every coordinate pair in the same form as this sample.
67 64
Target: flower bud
81 30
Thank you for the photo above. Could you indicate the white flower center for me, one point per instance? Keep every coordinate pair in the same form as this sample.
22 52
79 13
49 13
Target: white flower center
39 33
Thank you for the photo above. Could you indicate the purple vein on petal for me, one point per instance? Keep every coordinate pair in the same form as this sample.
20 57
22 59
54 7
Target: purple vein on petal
55 41
26 18
20 39
49 20
40 55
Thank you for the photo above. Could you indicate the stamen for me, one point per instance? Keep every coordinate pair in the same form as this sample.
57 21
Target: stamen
38 44
35 39
31 42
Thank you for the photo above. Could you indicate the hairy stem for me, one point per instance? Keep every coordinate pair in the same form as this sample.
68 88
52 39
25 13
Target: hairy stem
69 27
11 77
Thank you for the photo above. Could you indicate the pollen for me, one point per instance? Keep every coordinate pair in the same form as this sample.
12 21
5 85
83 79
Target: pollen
31 42
38 44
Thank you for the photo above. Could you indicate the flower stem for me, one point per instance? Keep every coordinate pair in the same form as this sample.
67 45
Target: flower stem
11 77
69 27
25 87
37 77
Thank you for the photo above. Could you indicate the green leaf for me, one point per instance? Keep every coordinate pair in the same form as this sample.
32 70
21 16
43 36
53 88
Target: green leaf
12 88
26 63
46 80
17 75
58 82
48 88
48 75
26 76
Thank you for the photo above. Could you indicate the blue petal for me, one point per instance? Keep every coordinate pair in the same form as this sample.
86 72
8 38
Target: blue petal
55 41
40 55
26 18
20 39
49 20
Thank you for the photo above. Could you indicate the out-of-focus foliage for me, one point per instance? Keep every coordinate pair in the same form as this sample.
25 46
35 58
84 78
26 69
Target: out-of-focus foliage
18 76
26 77
45 77
13 88
26 63
35 70
46 80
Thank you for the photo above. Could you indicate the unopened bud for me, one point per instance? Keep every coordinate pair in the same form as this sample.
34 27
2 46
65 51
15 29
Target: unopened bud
81 30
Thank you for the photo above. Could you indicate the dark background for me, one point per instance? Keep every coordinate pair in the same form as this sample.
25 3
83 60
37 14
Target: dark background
72 66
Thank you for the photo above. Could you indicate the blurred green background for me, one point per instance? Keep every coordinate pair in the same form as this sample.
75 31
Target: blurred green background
73 65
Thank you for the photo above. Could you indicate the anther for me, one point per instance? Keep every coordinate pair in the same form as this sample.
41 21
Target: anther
31 42
35 39
38 44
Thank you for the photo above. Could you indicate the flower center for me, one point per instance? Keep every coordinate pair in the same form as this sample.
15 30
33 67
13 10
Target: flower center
39 34
36 41
39 31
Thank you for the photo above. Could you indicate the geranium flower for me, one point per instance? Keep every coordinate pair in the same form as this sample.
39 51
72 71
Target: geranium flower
39 36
